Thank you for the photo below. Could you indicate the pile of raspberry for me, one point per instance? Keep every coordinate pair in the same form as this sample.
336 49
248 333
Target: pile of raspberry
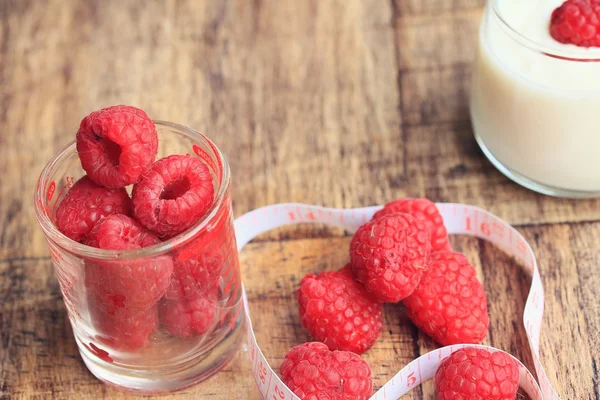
401 255
130 298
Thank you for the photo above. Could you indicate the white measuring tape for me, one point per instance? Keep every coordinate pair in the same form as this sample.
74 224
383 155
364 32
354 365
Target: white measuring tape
459 219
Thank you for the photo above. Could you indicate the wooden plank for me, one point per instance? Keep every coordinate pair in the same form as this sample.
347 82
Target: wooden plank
435 7
423 41
570 273
340 103
39 335
281 108
293 18
436 96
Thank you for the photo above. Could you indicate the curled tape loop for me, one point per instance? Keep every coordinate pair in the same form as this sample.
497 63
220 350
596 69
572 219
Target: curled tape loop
459 219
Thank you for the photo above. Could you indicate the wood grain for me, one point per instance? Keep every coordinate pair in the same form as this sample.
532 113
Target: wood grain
343 103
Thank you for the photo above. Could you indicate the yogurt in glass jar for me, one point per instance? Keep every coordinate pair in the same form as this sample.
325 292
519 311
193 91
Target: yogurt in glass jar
535 102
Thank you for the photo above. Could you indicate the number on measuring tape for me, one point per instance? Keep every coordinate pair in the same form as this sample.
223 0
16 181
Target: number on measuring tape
262 372
485 229
411 379
278 395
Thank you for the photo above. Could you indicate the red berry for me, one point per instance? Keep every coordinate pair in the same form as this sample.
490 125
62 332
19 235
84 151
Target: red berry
450 304
126 286
194 276
314 372
577 22
190 316
173 195
87 203
123 332
389 255
338 311
423 210
120 232
116 145
477 374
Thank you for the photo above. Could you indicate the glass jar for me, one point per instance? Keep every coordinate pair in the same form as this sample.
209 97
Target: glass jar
186 335
534 101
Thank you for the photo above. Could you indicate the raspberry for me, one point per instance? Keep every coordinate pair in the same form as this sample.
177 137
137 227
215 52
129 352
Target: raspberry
191 316
477 374
116 145
314 372
123 333
120 232
577 22
173 195
200 263
423 210
215 238
87 203
194 276
389 255
339 312
450 304
126 286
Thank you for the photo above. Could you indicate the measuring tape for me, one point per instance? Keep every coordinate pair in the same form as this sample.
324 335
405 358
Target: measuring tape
459 219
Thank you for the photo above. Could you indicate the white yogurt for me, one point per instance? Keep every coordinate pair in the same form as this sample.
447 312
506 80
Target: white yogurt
537 115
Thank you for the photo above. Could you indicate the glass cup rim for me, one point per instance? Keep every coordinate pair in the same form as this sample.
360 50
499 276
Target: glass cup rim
590 55
57 237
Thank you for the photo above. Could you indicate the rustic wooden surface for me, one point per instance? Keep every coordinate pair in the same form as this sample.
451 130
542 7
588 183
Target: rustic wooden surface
342 103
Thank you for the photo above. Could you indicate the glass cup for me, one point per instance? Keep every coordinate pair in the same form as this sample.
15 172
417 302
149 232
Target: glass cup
159 318
534 101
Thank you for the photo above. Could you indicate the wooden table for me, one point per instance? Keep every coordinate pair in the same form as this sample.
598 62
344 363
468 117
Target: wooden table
341 103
